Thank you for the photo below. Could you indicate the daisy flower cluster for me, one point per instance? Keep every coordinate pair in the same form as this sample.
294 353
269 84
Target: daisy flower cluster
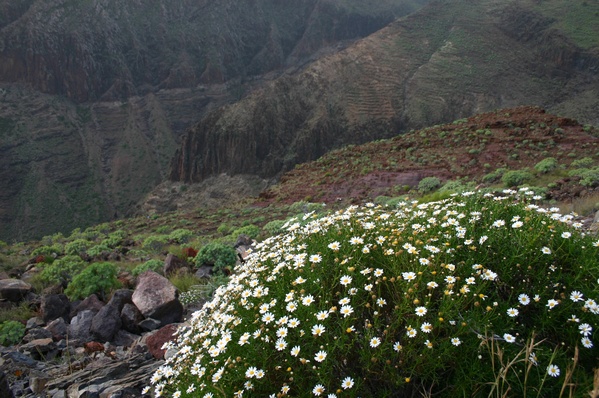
371 300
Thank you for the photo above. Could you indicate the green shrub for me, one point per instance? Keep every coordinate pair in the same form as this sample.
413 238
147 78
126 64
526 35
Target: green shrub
582 163
219 255
428 184
52 250
590 177
97 250
305 207
150 265
224 229
181 235
155 243
274 227
494 176
77 246
457 186
98 278
546 165
11 332
472 296
514 178
253 231
62 270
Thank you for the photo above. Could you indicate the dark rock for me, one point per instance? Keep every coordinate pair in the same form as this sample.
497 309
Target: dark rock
149 324
58 329
55 306
80 327
5 391
130 318
37 334
172 264
243 240
34 322
156 340
156 297
120 298
106 323
205 271
125 339
42 349
91 303
14 289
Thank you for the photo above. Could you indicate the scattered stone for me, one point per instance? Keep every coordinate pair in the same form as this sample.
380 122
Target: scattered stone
594 227
41 349
14 289
156 297
34 323
205 271
5 391
55 306
130 318
38 381
80 326
107 322
149 324
172 264
125 339
91 303
58 329
156 340
120 298
36 334
4 275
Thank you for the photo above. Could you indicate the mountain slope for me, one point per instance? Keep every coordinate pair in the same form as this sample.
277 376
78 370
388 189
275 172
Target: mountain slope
95 95
451 59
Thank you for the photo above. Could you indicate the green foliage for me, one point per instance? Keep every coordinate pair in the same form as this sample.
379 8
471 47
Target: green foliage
181 235
150 265
590 177
546 165
457 186
51 250
62 270
252 231
305 207
183 281
155 243
20 313
428 184
494 176
274 227
582 163
219 255
514 178
98 278
97 250
11 332
224 229
77 246
471 296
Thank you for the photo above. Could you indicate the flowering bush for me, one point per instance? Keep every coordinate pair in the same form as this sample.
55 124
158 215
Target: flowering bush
476 295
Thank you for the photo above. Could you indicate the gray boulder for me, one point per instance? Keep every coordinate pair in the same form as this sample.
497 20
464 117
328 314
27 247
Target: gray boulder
106 323
55 306
14 289
80 327
131 317
156 297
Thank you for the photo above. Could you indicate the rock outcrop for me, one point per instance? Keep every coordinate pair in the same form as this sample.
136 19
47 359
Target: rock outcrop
422 70
94 96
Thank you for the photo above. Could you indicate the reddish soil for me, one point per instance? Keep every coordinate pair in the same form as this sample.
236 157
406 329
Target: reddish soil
468 149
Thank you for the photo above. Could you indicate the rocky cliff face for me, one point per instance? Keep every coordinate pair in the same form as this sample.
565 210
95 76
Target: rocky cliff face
449 60
95 95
